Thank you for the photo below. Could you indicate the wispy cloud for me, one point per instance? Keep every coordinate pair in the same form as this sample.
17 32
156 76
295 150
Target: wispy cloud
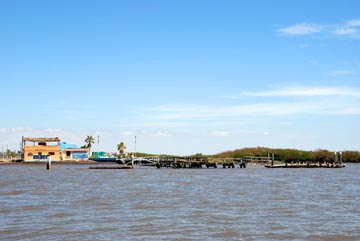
212 113
16 130
219 133
301 29
345 31
354 22
348 29
127 133
302 91
340 72
52 130
69 114
319 100
158 134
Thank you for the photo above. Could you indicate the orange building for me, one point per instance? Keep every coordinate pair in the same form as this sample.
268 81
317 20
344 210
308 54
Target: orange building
38 149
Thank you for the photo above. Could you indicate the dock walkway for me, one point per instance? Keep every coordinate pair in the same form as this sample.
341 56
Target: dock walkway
298 165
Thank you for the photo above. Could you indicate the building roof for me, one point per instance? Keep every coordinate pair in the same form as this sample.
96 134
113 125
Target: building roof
75 149
64 145
41 139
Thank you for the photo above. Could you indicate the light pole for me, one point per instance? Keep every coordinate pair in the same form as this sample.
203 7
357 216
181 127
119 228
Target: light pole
98 143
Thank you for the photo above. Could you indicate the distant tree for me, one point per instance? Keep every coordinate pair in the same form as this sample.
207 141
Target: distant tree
198 156
290 155
236 155
307 156
89 141
121 148
323 156
351 156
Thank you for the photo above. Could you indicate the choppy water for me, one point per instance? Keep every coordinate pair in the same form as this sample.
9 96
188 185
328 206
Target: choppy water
72 202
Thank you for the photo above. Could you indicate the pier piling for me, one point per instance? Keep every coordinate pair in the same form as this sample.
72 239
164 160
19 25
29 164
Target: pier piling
48 163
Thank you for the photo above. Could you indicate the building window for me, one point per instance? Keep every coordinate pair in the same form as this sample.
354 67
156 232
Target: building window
30 154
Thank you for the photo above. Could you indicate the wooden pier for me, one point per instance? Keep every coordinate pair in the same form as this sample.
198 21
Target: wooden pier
191 162
336 163
307 165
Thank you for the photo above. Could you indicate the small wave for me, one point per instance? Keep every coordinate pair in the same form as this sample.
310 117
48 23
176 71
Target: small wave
31 208
12 193
335 237
60 215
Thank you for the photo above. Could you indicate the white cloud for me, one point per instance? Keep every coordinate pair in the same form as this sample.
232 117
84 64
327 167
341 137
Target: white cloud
213 113
52 130
318 100
158 134
305 91
348 29
127 133
21 130
220 133
301 29
345 31
354 23
340 72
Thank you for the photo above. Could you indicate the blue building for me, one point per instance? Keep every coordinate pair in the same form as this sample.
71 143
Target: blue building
71 152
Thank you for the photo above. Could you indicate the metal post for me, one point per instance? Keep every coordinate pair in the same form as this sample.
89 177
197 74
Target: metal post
135 147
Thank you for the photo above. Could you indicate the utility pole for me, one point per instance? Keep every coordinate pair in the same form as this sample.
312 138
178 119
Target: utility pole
98 143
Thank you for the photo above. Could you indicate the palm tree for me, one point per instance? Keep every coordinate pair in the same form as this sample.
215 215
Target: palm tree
121 148
89 141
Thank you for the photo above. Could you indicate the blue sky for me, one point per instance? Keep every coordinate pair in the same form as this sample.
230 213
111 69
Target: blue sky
182 76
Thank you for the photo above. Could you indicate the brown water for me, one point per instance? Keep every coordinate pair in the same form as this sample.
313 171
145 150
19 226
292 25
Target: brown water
72 202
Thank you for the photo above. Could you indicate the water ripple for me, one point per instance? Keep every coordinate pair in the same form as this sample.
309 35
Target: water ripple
73 203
